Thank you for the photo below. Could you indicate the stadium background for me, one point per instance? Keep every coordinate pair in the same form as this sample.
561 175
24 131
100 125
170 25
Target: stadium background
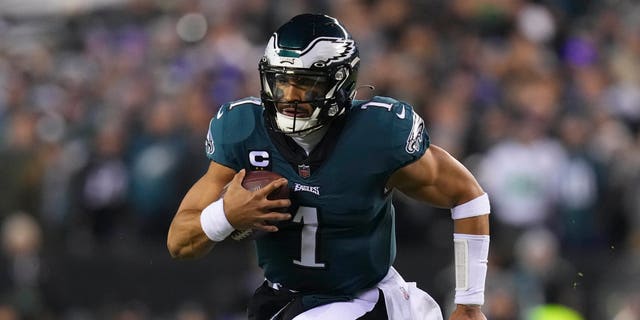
104 107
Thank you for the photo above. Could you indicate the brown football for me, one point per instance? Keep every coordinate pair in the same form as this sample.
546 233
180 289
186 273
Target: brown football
255 180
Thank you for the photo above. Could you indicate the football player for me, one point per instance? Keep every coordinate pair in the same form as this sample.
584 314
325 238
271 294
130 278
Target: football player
331 256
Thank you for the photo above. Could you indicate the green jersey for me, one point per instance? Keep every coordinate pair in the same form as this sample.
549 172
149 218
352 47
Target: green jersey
341 238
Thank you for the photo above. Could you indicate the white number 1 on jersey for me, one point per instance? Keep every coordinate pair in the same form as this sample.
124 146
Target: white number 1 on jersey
308 216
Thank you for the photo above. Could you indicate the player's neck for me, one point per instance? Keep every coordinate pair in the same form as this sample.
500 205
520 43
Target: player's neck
310 141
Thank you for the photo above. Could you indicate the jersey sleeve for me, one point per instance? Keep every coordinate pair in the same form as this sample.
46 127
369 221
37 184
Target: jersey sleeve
410 139
228 130
391 131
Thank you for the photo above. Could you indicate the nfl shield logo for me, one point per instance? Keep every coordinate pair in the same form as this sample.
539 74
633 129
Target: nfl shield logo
304 170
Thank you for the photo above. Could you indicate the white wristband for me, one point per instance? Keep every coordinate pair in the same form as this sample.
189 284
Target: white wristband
475 207
471 254
214 222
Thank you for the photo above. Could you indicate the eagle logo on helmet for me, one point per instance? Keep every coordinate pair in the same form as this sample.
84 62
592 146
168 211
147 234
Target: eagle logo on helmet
324 50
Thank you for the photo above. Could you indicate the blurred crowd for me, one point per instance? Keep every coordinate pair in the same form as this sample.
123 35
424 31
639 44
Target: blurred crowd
104 111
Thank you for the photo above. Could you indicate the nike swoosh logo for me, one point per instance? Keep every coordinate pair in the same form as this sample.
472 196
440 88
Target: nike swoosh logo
401 114
219 115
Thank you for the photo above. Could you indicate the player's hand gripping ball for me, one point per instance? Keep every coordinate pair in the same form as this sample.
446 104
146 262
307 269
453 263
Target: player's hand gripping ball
255 180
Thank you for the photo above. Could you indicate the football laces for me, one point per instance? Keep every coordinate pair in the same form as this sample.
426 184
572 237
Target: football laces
241 234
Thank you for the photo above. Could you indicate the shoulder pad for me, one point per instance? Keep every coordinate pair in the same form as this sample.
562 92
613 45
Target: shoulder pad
395 121
232 124
249 101
377 101
402 110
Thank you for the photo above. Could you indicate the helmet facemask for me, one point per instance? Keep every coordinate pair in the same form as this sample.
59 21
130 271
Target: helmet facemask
307 83
317 100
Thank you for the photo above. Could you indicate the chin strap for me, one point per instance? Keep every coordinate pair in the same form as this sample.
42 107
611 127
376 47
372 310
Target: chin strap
294 125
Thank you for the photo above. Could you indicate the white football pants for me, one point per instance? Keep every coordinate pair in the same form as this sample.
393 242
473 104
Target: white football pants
404 301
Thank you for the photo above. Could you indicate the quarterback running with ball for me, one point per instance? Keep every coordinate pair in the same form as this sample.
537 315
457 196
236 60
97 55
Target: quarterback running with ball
331 255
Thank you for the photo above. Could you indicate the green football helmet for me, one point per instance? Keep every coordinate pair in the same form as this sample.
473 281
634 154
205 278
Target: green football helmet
316 53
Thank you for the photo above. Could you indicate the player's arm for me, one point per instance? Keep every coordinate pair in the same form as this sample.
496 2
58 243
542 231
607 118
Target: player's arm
186 239
442 181
439 179
204 219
